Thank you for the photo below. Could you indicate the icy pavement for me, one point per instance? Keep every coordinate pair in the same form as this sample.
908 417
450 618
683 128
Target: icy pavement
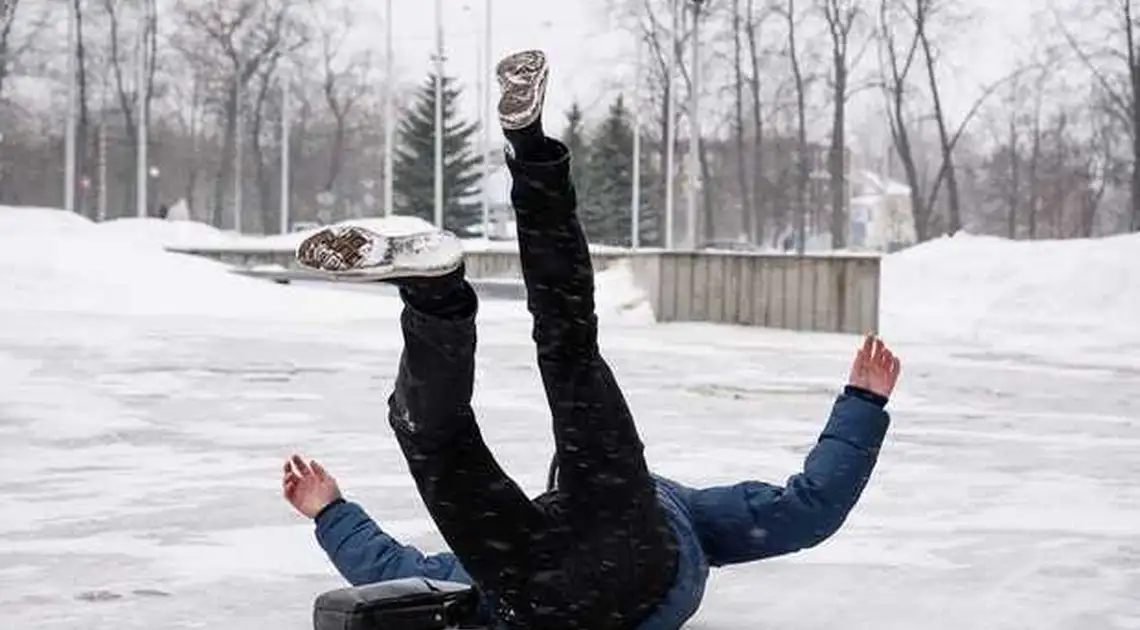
141 456
147 401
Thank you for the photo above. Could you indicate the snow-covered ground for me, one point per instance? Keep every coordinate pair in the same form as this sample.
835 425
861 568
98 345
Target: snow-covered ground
147 400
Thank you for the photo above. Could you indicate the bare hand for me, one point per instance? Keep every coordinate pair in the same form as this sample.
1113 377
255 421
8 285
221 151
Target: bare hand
307 487
876 368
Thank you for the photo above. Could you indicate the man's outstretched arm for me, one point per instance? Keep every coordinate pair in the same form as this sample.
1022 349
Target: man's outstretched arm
359 549
364 554
754 520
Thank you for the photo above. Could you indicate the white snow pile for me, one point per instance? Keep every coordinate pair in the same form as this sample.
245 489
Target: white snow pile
56 261
1050 296
617 293
167 233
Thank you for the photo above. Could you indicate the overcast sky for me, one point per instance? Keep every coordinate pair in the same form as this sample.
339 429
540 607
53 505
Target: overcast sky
590 58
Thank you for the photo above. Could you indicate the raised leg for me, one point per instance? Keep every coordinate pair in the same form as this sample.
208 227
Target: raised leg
483 515
625 553
491 525
600 453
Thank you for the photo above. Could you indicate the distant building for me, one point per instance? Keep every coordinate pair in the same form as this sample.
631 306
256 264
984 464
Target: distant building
882 218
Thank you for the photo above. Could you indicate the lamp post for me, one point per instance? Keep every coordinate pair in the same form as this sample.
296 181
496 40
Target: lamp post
439 113
72 98
141 182
486 106
694 165
389 111
286 128
635 187
671 120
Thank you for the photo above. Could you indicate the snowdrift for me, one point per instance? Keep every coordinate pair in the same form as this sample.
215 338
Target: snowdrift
52 260
57 261
1039 296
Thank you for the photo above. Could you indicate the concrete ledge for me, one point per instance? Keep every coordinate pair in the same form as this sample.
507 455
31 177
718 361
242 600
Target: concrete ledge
481 263
824 293
486 288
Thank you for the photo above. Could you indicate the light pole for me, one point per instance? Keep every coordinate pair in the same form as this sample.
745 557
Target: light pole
72 98
389 112
695 126
439 113
142 174
239 133
635 187
286 124
487 82
670 128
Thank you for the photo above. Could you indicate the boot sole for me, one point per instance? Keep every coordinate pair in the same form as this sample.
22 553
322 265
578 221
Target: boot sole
358 254
522 97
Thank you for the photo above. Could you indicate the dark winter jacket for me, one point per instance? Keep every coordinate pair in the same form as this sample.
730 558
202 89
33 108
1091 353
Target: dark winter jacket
715 526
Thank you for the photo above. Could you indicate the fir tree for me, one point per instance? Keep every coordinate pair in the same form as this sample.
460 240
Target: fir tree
414 161
606 210
575 139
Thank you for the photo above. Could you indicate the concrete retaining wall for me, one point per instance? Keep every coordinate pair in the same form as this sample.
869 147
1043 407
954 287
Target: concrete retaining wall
492 264
807 293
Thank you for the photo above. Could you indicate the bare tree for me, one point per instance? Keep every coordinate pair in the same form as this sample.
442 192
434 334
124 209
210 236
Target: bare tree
1036 132
20 33
1054 158
743 180
1111 56
756 202
898 59
895 66
263 83
123 59
7 54
662 43
802 167
239 37
83 126
842 17
1100 164
343 84
920 16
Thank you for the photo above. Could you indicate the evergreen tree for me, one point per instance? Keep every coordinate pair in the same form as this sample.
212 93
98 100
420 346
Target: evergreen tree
575 139
414 161
606 210
650 229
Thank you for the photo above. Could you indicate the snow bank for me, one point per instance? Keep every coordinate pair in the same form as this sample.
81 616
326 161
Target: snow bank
618 295
163 233
1018 295
57 261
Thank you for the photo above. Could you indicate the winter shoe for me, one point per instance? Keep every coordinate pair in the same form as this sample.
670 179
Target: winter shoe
522 80
381 249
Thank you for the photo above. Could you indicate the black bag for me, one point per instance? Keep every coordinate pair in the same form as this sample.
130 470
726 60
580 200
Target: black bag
408 604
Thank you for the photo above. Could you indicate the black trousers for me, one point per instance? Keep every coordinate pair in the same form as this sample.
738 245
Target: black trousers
596 552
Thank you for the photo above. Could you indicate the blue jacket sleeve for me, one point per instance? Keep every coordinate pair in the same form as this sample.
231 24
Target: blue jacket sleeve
753 520
364 554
